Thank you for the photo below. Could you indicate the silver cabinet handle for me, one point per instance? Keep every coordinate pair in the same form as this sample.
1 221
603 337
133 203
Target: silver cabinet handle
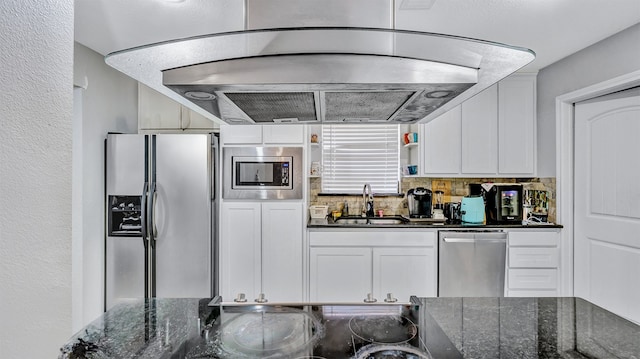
370 298
241 298
390 298
261 298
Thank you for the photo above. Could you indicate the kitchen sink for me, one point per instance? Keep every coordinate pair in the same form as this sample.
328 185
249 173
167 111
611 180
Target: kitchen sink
371 220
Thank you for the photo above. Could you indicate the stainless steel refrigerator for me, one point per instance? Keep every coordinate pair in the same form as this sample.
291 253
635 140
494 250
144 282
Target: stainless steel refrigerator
160 206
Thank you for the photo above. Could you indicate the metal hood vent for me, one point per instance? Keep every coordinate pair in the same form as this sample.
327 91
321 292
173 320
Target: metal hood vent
315 75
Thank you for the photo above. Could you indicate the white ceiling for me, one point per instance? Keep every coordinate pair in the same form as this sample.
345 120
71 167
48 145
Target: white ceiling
551 28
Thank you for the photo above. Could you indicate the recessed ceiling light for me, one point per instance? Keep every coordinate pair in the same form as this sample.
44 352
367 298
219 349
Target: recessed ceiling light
438 94
199 95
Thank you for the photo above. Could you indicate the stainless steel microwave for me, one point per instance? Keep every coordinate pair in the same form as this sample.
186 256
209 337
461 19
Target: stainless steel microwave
262 173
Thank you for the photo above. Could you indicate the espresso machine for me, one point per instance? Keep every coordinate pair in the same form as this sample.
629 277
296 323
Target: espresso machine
419 201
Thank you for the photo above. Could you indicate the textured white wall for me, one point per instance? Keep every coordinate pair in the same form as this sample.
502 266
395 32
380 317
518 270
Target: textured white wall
614 56
109 104
36 62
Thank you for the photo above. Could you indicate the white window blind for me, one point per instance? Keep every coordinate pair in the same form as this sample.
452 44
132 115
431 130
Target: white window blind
353 155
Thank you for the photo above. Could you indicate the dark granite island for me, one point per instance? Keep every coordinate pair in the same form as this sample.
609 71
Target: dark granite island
430 328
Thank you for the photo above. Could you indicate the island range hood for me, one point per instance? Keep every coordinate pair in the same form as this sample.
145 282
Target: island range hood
322 74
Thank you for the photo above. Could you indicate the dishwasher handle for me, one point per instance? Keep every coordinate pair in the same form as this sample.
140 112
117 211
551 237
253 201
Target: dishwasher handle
474 240
458 240
476 237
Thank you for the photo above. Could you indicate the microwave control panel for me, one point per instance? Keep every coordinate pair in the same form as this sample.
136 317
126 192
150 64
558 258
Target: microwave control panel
285 173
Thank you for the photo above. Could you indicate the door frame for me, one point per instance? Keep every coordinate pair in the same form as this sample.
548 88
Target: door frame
565 130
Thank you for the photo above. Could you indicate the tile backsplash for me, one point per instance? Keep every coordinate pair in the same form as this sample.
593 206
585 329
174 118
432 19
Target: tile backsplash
455 188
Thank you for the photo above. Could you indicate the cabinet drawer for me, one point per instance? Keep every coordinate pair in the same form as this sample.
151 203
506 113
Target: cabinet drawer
533 238
533 278
533 257
359 238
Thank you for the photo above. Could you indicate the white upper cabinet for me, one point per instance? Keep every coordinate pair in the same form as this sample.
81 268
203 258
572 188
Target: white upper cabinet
277 134
258 134
241 134
159 113
517 124
480 132
491 134
441 140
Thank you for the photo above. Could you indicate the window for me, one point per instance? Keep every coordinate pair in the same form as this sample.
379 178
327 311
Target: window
353 155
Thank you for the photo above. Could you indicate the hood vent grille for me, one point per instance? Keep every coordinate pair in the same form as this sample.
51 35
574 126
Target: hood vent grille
269 107
367 106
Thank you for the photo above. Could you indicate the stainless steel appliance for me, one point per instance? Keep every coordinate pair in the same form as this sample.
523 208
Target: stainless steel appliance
452 212
503 203
160 206
471 263
313 64
322 330
419 202
262 172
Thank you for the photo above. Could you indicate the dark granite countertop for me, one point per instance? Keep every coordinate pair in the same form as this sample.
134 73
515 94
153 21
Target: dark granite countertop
449 327
330 223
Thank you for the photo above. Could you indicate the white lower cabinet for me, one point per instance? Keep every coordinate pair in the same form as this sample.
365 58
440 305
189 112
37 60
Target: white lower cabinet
346 266
261 250
533 263
399 271
340 274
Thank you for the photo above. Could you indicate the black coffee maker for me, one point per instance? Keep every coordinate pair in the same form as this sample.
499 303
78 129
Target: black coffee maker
419 201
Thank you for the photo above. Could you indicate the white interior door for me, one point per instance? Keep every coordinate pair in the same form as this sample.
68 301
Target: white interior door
607 202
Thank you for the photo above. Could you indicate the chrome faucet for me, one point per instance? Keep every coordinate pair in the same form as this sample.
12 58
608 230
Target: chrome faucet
367 201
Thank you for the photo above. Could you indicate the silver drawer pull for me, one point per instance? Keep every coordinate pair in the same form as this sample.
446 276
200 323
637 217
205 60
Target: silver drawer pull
261 298
370 298
241 298
390 298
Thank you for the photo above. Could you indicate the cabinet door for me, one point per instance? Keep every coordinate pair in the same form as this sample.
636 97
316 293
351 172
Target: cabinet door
395 271
157 111
442 144
340 274
282 134
240 259
479 116
241 134
192 120
516 125
282 251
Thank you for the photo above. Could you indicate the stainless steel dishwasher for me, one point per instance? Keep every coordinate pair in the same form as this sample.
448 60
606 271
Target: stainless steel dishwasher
471 263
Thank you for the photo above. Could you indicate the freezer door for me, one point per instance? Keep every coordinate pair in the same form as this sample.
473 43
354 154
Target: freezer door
125 269
181 216
124 256
125 170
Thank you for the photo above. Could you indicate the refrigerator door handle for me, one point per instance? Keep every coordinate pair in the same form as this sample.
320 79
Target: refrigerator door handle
143 212
152 212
